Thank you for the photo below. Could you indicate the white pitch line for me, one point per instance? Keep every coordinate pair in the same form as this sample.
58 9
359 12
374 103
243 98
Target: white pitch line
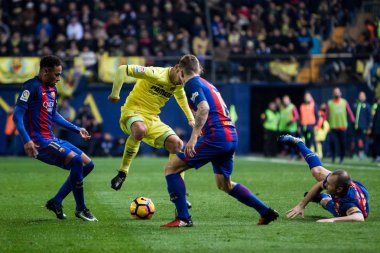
299 163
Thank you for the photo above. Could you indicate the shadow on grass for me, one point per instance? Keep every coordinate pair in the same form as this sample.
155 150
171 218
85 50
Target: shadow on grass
41 220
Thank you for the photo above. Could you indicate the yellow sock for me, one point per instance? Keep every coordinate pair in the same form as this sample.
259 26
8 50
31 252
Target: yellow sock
130 150
182 173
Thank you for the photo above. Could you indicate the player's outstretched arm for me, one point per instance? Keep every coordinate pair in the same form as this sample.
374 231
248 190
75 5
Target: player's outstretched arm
200 119
352 217
18 118
118 82
299 209
180 97
62 122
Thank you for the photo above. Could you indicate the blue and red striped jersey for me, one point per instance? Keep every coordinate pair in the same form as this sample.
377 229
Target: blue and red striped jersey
40 101
219 126
356 200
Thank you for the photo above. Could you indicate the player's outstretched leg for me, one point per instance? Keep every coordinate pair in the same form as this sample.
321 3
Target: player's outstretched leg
245 196
55 204
189 205
130 150
76 180
177 192
173 144
315 164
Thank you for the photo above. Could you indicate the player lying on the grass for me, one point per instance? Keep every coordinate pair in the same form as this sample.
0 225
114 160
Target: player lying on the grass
216 145
139 115
346 199
35 111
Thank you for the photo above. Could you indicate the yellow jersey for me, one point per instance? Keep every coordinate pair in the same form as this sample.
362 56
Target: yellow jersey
152 90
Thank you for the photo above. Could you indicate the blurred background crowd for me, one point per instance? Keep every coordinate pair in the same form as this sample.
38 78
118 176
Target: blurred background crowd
244 40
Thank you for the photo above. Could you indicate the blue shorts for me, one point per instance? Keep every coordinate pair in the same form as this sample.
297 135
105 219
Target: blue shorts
54 152
220 154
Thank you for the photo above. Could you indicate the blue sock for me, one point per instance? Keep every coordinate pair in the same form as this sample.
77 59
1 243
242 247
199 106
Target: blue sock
245 196
177 192
311 158
66 187
76 181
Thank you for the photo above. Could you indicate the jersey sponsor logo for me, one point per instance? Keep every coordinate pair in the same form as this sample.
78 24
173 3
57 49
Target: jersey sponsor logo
157 90
48 105
25 96
194 96
139 69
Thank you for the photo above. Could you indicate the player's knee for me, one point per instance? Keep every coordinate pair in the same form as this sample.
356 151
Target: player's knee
175 146
75 162
324 202
139 133
169 169
88 168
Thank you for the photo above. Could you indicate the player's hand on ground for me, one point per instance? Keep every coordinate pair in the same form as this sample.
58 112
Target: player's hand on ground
113 99
190 147
84 134
192 123
30 149
294 212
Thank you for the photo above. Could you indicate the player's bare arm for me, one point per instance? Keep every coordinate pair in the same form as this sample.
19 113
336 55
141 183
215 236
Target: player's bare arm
200 119
352 217
299 209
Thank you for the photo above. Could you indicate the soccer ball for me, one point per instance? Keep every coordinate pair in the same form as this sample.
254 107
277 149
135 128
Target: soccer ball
142 208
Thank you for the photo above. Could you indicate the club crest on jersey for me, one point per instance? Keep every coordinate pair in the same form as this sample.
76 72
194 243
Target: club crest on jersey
194 96
25 96
139 69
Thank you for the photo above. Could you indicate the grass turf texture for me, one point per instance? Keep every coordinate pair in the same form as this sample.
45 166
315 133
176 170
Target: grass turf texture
221 223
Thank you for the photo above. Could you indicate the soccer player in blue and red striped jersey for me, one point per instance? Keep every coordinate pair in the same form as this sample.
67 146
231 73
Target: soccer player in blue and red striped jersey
213 139
35 112
347 200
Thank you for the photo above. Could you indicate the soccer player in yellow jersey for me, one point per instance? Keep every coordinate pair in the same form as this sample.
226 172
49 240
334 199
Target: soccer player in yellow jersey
139 115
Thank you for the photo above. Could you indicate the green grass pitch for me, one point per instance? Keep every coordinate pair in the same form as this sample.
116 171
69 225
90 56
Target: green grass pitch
221 223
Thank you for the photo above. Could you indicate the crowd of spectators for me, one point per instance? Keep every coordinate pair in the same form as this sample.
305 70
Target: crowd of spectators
263 28
357 134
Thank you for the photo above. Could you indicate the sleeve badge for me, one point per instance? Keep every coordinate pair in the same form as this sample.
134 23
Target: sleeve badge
25 96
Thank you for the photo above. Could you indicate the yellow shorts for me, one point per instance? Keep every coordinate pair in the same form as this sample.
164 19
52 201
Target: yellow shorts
157 132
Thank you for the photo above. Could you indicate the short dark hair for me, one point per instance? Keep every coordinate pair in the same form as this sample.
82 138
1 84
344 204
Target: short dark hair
50 61
190 64
343 179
